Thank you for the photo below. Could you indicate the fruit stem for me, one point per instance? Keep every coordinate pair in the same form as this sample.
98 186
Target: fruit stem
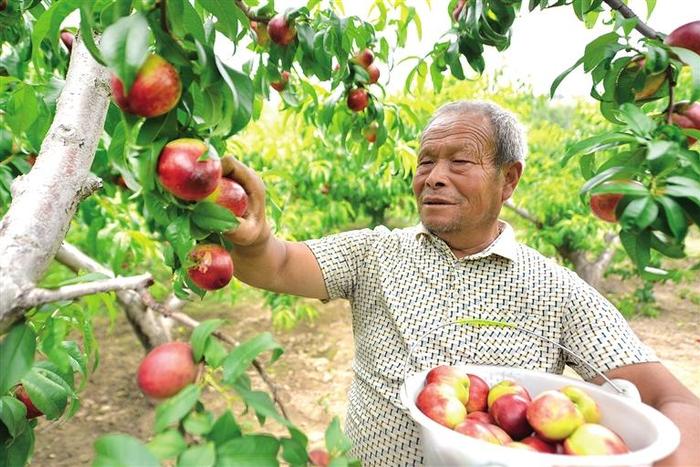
671 85
8 160
164 17
625 11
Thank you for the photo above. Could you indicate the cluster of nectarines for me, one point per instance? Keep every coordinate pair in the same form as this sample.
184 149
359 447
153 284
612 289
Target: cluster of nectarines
564 421
186 167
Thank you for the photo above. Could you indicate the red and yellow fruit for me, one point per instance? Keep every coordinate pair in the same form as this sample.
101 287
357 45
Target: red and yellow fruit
212 266
230 195
686 36
166 370
453 377
155 91
32 411
553 416
591 439
281 31
182 173
281 84
439 403
358 99
687 115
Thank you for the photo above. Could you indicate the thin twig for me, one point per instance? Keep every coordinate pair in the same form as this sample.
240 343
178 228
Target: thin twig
39 296
249 13
190 322
164 17
625 11
524 213
671 85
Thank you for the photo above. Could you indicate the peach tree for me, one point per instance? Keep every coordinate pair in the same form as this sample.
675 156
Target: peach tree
161 150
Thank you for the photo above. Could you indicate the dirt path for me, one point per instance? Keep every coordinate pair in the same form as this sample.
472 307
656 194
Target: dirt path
312 375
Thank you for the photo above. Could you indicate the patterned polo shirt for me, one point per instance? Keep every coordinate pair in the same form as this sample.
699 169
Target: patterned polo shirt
403 282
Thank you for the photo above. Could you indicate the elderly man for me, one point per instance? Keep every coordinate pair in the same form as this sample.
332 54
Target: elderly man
461 260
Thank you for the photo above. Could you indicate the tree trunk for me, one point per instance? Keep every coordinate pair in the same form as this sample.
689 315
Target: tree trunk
45 200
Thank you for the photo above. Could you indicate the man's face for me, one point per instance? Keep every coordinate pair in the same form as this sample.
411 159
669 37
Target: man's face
457 187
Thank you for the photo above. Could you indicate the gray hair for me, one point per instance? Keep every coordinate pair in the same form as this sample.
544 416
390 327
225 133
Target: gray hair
509 134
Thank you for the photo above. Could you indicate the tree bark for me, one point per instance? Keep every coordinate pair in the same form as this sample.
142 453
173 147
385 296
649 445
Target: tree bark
591 271
45 200
151 328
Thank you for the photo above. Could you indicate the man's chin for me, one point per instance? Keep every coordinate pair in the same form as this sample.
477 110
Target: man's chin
437 226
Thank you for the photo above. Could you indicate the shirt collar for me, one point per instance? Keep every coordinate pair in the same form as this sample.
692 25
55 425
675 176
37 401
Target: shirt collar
504 245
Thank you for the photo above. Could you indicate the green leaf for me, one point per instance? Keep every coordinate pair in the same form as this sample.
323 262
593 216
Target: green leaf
16 355
336 441
597 143
167 444
124 46
557 81
198 456
601 177
83 278
87 26
658 149
119 450
198 423
48 391
174 409
212 217
224 429
47 26
623 187
675 217
636 245
243 355
227 21
640 213
13 415
294 451
179 236
262 404
693 61
200 336
638 121
249 451
16 451
215 353
599 49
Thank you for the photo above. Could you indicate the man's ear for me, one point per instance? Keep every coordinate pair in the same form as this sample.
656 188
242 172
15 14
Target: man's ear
511 177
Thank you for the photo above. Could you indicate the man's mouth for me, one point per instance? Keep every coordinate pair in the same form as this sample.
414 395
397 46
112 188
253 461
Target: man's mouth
434 201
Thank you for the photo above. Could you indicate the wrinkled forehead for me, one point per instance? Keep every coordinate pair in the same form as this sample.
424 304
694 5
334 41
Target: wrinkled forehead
458 130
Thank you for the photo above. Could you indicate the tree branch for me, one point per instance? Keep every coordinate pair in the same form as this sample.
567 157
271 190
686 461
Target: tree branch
524 213
625 11
249 13
188 321
45 200
151 329
40 296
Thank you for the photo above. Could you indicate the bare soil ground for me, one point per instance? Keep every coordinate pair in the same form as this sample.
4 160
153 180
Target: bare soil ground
312 375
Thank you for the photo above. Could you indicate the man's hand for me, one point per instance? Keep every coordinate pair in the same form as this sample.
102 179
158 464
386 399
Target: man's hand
660 389
253 228
260 259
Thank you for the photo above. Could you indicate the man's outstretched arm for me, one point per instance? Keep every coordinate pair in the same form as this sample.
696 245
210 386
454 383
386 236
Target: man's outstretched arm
266 262
660 389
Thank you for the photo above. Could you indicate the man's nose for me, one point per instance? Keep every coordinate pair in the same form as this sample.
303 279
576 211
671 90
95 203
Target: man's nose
438 175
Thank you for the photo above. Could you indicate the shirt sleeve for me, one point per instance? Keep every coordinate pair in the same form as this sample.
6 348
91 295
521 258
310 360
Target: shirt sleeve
340 257
597 331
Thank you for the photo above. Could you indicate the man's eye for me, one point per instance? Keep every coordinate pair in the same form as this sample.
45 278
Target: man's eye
426 162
